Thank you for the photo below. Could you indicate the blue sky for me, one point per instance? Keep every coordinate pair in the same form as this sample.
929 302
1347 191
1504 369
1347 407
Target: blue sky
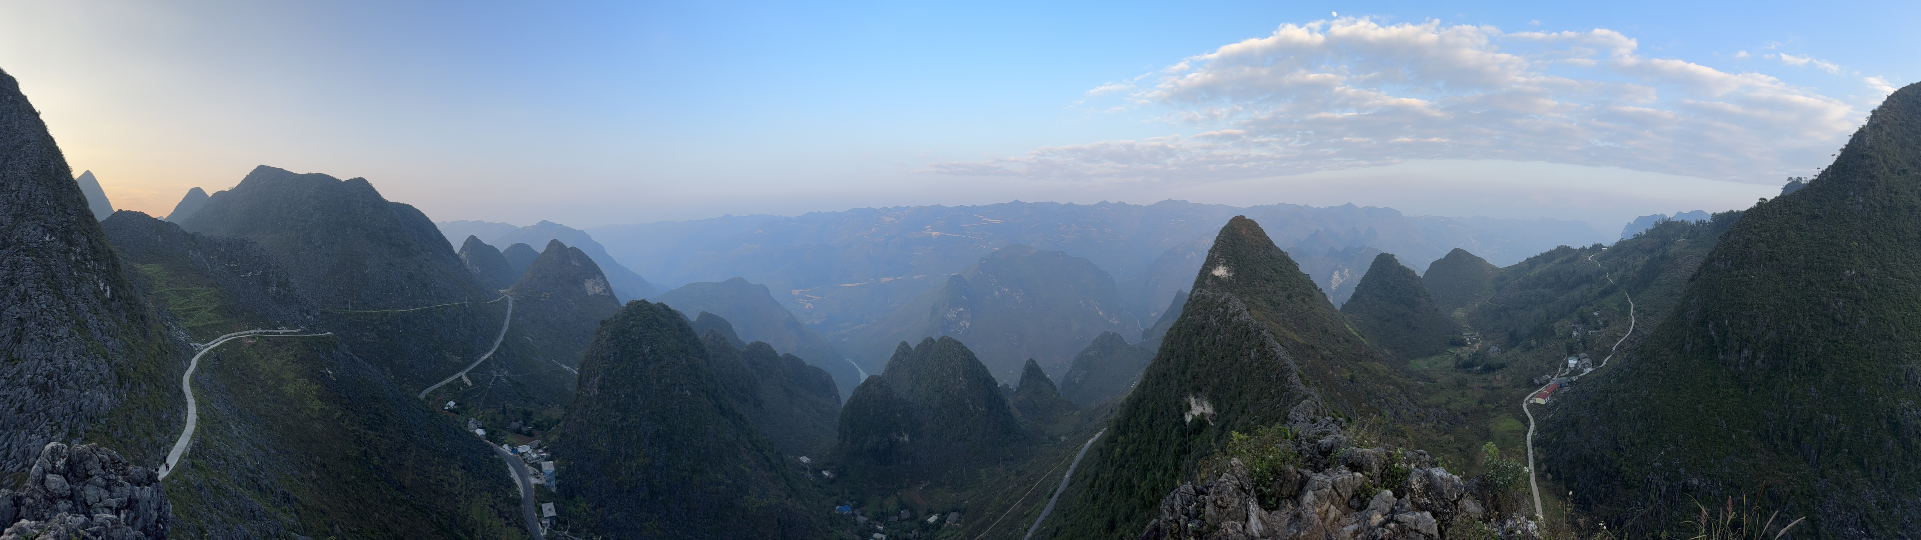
590 114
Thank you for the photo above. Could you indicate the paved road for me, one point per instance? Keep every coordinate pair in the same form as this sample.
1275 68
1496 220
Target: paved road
518 470
1532 484
490 351
186 387
1064 479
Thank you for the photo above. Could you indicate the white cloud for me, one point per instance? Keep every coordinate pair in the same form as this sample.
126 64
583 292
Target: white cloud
1355 93
1793 60
1879 85
1742 54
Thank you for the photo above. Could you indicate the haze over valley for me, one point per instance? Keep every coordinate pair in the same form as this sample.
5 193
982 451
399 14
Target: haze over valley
1231 271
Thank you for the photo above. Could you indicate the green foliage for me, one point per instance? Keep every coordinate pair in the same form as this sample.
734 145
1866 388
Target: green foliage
1392 308
1267 452
1504 475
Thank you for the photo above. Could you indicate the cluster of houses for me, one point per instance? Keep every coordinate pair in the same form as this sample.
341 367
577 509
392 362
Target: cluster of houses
1577 366
905 515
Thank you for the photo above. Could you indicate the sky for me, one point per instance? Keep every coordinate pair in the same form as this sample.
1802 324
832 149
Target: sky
602 113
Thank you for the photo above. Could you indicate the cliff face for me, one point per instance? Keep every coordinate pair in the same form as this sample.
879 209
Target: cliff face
652 446
86 492
85 354
345 245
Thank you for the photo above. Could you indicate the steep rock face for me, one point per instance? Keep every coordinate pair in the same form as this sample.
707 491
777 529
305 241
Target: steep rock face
689 466
758 317
791 403
519 256
255 291
1786 373
1017 303
78 340
86 492
347 247
96 197
1257 344
1392 308
1106 369
627 284
1458 279
561 300
1036 398
486 264
933 411
188 204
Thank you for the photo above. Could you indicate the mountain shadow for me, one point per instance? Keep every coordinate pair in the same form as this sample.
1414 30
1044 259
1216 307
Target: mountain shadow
934 413
1785 376
634 465
752 310
1392 308
519 256
345 245
791 403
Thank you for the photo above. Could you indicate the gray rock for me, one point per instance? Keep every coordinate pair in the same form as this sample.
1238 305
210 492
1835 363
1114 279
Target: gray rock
86 492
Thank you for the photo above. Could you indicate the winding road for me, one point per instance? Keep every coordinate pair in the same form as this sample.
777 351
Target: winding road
186 387
1064 478
518 469
1532 484
490 351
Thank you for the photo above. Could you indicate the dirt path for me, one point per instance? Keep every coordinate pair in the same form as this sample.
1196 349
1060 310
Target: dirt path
1532 484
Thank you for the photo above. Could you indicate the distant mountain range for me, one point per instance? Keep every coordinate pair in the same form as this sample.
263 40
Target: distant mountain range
627 285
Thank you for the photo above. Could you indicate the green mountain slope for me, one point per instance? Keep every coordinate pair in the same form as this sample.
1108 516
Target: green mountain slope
758 317
1786 373
86 357
1392 308
1038 401
652 447
352 453
1017 303
1255 341
1106 369
1458 279
519 256
791 403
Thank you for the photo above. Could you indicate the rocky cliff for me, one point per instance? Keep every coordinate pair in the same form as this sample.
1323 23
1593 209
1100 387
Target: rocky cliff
87 358
86 492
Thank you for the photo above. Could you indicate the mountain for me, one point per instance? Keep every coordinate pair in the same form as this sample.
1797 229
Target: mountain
1643 223
559 302
934 414
1169 276
1256 344
1457 280
1016 303
758 317
791 403
636 463
485 230
308 402
1392 308
487 265
1785 376
1036 398
519 256
1151 337
96 197
189 204
707 322
1106 369
839 271
88 358
627 284
1794 184
345 245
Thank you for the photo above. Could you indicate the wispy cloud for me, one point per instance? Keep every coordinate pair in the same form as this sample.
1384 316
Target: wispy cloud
1879 85
1793 60
1354 92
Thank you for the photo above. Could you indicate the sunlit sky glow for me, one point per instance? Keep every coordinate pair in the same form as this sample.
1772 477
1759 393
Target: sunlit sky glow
591 114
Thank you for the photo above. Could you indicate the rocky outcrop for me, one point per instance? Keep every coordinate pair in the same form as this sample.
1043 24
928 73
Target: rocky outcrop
189 204
1355 493
86 492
